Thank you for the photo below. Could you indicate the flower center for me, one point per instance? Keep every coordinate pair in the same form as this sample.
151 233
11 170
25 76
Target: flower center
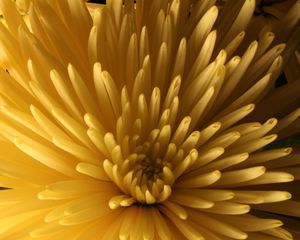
150 170
151 179
145 176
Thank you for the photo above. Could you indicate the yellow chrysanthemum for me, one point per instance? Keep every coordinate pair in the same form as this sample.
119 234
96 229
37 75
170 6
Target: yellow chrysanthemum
146 120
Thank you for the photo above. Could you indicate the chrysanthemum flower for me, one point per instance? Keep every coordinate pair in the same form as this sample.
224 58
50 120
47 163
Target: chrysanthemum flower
146 121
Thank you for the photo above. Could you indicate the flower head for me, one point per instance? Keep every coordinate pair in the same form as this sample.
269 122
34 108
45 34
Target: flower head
147 120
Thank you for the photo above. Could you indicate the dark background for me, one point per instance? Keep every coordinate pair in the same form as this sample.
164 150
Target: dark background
98 1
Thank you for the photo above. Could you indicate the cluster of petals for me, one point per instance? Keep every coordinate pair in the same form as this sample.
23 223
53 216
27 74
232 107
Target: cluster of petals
148 120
